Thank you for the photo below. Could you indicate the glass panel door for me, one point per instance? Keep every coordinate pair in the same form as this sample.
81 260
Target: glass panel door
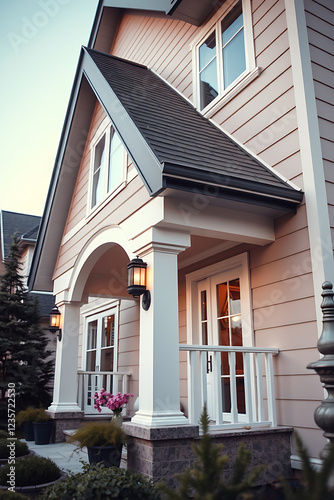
229 328
91 361
101 354
220 324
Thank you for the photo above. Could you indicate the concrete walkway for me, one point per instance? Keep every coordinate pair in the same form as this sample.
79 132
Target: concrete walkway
65 455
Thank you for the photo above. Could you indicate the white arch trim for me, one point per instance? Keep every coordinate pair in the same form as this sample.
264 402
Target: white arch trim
93 250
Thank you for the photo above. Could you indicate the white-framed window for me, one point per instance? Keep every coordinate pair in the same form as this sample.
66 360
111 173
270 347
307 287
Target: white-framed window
219 313
223 55
108 165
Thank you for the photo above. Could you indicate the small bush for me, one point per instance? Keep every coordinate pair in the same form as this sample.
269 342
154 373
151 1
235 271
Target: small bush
12 495
20 448
3 434
28 415
97 482
99 434
31 471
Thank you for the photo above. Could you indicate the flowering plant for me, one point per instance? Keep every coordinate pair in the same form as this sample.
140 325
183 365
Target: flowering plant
115 403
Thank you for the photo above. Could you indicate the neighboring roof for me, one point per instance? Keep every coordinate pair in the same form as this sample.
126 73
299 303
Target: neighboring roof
23 226
46 303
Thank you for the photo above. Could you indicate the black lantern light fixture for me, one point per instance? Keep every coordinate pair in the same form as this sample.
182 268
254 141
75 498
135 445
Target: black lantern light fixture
137 281
54 323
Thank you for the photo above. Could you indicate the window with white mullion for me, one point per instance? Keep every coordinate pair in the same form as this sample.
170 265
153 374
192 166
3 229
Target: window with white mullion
224 53
233 46
99 172
208 76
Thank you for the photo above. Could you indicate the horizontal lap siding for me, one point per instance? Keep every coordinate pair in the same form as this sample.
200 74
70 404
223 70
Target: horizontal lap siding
263 118
160 44
320 24
115 212
128 344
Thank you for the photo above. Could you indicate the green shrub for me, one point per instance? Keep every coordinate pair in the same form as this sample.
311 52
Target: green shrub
4 434
97 482
31 471
12 495
41 416
317 484
20 448
99 434
28 415
203 481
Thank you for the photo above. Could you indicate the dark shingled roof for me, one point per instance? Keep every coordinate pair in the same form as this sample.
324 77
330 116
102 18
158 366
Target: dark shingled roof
192 150
46 303
23 226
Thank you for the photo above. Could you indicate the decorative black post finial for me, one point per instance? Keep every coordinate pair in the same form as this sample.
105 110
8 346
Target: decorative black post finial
324 414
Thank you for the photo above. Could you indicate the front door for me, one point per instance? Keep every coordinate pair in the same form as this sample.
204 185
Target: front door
222 301
101 353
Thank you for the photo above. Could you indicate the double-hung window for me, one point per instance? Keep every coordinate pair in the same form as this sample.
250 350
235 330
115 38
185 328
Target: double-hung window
108 160
224 55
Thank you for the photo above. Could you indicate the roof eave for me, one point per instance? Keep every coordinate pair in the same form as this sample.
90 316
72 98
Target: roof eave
281 202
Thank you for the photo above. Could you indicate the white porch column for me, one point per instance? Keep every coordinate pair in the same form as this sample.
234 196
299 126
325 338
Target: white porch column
159 382
65 381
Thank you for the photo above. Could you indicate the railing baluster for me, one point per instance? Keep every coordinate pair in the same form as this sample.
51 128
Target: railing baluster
270 388
195 400
259 387
218 388
233 388
204 387
248 387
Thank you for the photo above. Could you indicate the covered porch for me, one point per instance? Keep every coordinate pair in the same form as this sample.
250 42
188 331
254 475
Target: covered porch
165 360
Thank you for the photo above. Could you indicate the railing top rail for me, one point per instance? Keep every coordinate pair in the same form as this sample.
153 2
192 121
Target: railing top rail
83 372
219 348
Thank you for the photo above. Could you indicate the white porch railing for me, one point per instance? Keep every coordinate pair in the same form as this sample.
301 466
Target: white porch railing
90 382
258 380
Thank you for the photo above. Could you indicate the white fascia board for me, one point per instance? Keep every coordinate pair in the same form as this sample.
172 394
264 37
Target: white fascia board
219 222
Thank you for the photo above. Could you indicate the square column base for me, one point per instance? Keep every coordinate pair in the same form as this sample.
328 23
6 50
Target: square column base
63 421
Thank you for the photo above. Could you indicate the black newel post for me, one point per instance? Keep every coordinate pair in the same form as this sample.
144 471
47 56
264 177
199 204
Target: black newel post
324 414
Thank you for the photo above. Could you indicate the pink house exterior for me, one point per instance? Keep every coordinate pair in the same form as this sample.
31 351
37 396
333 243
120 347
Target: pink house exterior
199 137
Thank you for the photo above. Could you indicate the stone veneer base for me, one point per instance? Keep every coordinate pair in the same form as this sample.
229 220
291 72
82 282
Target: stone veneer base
159 453
63 421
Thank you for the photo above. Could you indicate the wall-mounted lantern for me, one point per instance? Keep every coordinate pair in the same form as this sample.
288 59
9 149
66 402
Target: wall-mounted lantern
54 323
137 281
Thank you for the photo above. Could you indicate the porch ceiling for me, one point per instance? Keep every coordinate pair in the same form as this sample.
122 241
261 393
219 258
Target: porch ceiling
108 277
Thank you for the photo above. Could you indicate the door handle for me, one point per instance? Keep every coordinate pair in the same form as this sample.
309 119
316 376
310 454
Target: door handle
209 364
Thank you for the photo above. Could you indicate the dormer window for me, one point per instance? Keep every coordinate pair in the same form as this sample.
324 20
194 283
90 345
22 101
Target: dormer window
224 54
108 160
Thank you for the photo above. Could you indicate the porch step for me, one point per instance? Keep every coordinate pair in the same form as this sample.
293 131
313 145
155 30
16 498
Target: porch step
68 433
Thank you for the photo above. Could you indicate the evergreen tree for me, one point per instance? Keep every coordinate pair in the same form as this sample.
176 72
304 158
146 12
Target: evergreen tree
23 345
203 481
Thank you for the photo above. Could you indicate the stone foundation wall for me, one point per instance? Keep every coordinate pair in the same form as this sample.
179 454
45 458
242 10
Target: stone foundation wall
161 453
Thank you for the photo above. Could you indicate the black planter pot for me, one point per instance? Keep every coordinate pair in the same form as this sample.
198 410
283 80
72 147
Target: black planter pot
42 432
28 431
109 455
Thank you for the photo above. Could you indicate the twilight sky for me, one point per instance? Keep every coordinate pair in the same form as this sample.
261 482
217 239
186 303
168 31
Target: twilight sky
40 42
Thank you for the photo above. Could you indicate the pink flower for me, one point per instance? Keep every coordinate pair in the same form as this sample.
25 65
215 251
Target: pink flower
111 401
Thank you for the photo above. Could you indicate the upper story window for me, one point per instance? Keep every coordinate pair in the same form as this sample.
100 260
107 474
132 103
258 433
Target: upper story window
224 54
108 160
